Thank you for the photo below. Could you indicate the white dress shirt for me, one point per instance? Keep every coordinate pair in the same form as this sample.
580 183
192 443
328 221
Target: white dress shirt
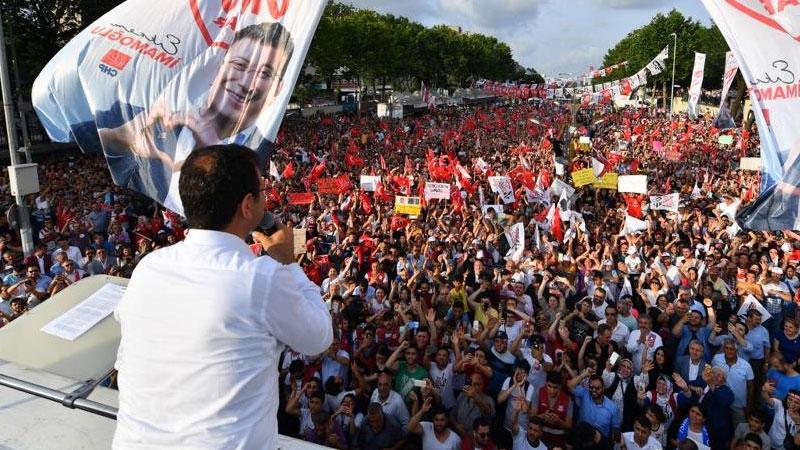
203 323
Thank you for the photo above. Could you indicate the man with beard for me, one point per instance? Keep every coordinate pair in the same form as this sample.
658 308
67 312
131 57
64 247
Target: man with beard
436 435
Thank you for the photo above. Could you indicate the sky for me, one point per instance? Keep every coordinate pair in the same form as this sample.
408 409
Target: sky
552 36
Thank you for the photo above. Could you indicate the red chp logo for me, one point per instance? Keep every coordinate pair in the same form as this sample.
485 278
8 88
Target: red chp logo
764 11
115 59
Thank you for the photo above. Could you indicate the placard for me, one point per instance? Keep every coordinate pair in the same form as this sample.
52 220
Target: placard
632 183
407 205
750 164
299 236
609 180
440 191
725 139
502 185
583 177
328 186
369 183
301 198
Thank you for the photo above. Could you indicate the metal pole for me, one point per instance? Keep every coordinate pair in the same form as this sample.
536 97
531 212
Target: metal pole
58 397
26 234
23 120
672 89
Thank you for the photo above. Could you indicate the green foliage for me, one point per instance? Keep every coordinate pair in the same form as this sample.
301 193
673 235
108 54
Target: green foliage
641 45
385 48
37 29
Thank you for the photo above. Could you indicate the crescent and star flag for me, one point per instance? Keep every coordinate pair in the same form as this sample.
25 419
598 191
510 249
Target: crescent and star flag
149 82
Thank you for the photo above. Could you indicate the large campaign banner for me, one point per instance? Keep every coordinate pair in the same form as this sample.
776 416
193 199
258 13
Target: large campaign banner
149 82
724 119
697 83
764 40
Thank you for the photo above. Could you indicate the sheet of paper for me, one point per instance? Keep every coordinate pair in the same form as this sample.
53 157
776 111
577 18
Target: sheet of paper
86 314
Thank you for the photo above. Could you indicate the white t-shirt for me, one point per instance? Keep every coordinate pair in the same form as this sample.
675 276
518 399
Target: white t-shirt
443 382
521 441
429 441
630 444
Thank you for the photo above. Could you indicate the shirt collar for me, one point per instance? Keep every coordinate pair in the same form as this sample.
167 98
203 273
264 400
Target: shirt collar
211 238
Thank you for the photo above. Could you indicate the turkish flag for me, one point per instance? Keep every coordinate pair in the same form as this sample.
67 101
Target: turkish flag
288 171
557 228
634 205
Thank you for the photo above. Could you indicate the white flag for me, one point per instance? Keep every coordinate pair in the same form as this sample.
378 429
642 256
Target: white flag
697 83
502 185
668 202
724 119
516 241
656 66
633 225
273 170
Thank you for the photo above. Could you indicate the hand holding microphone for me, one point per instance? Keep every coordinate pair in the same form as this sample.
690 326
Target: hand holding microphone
277 239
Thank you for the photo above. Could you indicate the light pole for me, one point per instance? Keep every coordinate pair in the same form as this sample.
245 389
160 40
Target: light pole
672 89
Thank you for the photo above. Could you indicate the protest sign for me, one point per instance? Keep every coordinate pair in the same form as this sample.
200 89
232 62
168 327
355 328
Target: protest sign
632 183
750 164
161 70
301 198
407 205
668 202
327 186
439 191
502 185
725 139
583 177
299 235
369 183
607 181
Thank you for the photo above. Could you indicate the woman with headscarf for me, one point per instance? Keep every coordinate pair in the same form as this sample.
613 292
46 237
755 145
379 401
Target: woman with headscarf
662 396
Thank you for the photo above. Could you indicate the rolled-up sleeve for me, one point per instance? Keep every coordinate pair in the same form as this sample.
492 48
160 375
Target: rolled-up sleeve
295 312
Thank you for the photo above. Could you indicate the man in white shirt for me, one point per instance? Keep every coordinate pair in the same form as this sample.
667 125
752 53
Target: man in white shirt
391 402
436 435
197 369
641 438
643 339
619 331
72 252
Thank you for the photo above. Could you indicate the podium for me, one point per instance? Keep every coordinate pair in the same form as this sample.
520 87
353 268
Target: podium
50 392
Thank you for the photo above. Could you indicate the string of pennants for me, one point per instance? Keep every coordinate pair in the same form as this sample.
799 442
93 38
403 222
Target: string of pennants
590 94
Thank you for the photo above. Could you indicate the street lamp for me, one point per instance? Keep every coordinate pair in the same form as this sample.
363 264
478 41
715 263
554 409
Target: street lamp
672 89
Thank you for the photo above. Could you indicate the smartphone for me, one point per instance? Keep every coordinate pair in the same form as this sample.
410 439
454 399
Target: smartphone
419 383
613 358
413 325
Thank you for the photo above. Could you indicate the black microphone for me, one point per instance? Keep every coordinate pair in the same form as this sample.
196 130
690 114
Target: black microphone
268 225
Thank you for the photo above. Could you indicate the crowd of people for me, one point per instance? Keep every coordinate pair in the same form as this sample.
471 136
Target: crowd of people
453 329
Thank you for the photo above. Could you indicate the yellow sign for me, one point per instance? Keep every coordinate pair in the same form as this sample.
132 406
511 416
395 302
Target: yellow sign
407 205
583 177
607 181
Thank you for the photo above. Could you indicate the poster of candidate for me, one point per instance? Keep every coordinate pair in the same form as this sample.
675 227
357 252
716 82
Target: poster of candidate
149 82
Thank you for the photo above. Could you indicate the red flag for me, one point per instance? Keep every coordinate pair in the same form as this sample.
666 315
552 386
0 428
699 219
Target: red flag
556 228
383 163
381 195
366 203
399 222
288 171
352 160
455 199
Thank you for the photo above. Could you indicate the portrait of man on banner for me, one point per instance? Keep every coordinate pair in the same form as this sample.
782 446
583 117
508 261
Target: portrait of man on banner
145 148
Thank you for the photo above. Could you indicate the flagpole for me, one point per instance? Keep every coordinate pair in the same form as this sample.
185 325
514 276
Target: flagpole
672 89
26 234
